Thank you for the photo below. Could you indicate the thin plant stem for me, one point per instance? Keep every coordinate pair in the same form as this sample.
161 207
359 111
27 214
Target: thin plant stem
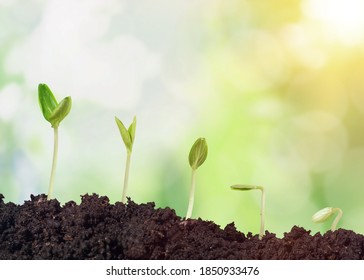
126 177
262 210
54 164
337 219
262 207
192 194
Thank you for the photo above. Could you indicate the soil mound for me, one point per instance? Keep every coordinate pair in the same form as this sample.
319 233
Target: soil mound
96 229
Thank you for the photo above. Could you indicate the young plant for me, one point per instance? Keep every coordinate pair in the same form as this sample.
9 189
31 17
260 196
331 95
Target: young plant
262 207
54 113
197 156
325 213
128 136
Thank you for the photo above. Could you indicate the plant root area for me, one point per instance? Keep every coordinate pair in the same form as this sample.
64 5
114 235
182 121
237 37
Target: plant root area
96 229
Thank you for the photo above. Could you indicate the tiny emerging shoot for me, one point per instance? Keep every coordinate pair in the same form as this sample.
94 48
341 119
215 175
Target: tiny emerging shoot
262 207
197 156
325 213
128 136
54 113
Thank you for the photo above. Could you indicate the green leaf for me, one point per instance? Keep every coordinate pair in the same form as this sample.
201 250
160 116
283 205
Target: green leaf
47 101
125 135
52 111
61 111
245 187
131 131
198 153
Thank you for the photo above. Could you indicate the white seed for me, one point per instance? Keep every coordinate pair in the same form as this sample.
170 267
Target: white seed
322 215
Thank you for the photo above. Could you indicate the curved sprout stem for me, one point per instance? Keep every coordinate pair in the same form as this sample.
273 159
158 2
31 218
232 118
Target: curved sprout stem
337 219
54 164
262 207
262 211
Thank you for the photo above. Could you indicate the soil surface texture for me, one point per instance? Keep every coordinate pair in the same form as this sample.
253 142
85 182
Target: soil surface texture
96 229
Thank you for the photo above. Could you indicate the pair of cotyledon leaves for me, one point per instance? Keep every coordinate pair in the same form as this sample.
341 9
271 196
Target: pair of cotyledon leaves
128 135
198 153
53 111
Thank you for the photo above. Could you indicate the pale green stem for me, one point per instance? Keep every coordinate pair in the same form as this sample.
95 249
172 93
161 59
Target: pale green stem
337 219
262 210
54 164
126 176
262 207
192 194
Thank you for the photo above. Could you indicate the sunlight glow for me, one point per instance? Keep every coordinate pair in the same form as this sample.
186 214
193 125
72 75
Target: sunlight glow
343 19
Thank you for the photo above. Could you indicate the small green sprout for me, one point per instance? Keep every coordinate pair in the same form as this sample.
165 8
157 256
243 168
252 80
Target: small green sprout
253 187
54 113
196 158
325 213
128 136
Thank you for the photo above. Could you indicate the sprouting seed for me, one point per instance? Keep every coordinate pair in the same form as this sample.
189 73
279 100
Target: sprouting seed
54 113
325 213
262 207
197 157
128 136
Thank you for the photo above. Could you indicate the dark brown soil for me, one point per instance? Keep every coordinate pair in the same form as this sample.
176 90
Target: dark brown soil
96 229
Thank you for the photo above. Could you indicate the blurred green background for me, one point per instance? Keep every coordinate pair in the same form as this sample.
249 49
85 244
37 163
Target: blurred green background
276 88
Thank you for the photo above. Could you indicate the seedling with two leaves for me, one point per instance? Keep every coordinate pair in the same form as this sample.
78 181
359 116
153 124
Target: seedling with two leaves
196 158
54 113
128 136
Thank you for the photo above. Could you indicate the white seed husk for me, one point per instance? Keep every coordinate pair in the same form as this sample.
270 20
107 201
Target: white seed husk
322 215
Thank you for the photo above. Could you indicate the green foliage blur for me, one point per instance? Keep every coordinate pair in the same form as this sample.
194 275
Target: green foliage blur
275 86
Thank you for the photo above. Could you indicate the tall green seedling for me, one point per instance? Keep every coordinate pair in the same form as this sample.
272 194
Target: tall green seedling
54 113
197 157
262 207
128 136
